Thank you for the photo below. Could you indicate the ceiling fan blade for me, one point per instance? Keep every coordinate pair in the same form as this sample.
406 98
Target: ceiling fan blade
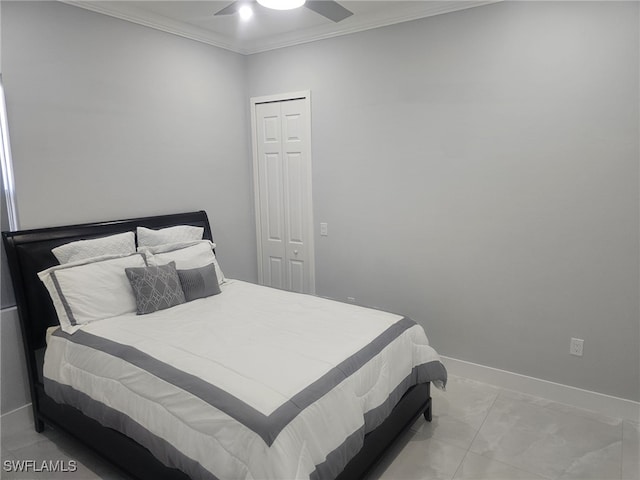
328 8
229 9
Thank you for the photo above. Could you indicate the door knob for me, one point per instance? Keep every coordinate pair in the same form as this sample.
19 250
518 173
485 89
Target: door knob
295 252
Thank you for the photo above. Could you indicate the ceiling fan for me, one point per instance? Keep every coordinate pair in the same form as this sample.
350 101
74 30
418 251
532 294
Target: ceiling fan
327 8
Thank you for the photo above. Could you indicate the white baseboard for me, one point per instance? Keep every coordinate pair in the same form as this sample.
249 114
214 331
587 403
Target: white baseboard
576 397
17 420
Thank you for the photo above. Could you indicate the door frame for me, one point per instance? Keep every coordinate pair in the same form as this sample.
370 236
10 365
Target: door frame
282 97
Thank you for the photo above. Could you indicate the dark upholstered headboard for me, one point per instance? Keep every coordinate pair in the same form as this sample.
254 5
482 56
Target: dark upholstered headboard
29 252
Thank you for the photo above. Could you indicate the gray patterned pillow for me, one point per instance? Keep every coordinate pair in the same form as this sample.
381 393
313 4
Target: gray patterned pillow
199 282
155 288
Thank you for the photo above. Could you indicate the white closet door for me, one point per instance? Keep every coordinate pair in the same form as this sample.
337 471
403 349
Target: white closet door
271 192
283 196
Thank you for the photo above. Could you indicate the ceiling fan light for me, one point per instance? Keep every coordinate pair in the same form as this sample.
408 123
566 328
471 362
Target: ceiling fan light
281 4
245 12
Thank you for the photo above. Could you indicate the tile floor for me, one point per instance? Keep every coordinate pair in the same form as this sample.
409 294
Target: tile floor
478 432
482 432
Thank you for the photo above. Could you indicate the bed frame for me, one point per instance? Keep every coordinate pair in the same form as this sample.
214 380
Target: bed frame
29 252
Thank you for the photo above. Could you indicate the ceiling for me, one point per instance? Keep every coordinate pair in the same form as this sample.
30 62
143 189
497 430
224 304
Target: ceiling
267 29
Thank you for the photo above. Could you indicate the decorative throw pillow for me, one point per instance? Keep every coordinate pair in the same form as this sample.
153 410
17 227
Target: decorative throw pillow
155 288
180 233
199 282
119 244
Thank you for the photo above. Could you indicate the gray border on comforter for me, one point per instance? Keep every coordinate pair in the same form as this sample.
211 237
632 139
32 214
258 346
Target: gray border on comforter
267 426
121 422
168 454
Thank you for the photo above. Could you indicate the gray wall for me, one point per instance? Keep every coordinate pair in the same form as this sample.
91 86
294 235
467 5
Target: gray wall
6 290
14 388
13 368
478 170
479 173
112 120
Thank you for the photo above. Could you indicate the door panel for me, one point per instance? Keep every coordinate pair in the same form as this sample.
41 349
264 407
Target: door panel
271 127
273 196
292 125
294 200
276 273
296 276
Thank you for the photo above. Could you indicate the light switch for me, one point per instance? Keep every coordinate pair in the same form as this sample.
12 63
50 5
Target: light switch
324 229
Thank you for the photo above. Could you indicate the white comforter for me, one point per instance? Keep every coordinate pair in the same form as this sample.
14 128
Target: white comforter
254 383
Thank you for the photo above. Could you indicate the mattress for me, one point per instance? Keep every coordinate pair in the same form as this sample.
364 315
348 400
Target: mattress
253 383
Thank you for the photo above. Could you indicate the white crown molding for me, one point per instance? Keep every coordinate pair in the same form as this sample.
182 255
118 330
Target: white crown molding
365 22
125 11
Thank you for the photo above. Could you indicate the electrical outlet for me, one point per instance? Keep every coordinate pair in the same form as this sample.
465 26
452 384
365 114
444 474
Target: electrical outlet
324 229
351 299
576 346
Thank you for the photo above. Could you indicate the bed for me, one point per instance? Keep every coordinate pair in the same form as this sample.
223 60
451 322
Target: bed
246 382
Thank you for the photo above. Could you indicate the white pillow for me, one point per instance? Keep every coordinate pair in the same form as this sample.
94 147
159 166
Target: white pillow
179 233
119 244
187 255
90 290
